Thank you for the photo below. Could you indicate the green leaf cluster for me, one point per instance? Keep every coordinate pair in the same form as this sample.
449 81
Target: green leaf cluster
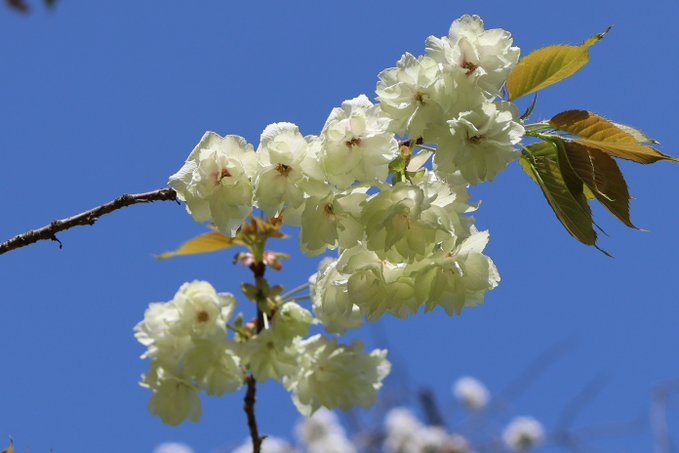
573 161
574 164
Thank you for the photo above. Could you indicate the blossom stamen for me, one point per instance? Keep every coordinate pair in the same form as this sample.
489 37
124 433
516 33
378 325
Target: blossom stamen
202 316
469 66
356 141
283 170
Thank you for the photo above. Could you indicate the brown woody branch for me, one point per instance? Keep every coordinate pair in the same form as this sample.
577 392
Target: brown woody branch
85 218
249 407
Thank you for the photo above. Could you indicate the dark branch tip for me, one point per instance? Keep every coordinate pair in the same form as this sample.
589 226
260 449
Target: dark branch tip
56 239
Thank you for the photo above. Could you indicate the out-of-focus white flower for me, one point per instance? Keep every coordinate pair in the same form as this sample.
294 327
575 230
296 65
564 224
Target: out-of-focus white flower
172 447
456 444
323 433
270 444
405 434
336 377
471 392
357 145
481 143
487 56
215 182
401 430
523 433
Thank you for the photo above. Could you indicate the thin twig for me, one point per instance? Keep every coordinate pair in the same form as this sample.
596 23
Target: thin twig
536 368
84 218
258 269
574 407
659 424
430 407
249 408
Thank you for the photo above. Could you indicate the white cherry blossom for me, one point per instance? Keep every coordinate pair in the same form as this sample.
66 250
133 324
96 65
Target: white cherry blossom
216 182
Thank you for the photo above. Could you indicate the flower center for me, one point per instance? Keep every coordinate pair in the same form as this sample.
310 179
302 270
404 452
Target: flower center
283 170
353 142
202 316
469 66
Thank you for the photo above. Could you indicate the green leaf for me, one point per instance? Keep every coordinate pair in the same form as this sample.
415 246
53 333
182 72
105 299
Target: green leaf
638 135
531 107
630 151
547 66
398 165
611 138
603 177
591 126
569 208
206 243
539 149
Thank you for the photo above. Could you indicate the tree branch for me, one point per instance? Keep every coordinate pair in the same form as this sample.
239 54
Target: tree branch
85 218
249 407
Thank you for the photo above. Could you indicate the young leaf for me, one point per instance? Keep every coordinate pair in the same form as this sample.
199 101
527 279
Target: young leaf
575 216
639 136
572 180
603 177
547 66
206 243
630 151
613 139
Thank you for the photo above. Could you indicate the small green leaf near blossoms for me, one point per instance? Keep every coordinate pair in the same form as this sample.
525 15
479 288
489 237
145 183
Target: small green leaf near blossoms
547 66
205 243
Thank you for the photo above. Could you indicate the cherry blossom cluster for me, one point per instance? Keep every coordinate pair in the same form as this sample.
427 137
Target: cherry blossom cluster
186 339
401 227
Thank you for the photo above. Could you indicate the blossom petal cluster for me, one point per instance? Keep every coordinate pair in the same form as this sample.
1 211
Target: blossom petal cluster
186 341
401 227
190 352
449 97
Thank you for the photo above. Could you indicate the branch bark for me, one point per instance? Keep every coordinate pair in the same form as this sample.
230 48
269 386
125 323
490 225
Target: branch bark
84 218
249 407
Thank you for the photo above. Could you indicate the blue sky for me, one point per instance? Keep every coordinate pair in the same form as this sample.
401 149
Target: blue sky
103 98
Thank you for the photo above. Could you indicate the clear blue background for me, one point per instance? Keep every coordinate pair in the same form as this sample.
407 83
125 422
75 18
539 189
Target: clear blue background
103 98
